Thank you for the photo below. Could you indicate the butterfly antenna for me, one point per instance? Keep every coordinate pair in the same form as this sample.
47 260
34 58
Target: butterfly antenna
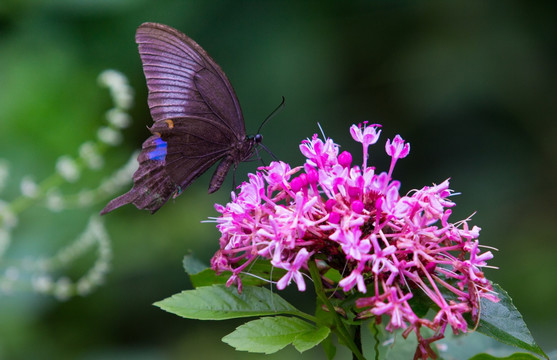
271 115
280 107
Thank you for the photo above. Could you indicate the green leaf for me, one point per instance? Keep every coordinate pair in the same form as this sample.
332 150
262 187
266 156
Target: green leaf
309 339
200 274
378 343
208 277
421 303
333 275
257 274
515 356
218 302
503 322
271 334
468 345
329 347
260 273
192 265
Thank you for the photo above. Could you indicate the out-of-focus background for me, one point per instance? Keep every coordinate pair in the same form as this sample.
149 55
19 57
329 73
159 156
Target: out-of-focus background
471 84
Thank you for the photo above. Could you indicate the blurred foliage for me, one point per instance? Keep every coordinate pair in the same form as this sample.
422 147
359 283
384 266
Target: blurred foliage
471 84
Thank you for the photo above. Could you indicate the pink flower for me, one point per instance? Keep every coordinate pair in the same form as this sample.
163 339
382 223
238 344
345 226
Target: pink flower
355 278
398 148
368 135
398 309
319 153
355 221
353 246
381 260
278 173
294 271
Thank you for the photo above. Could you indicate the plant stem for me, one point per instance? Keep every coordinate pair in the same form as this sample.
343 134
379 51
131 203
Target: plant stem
340 329
358 338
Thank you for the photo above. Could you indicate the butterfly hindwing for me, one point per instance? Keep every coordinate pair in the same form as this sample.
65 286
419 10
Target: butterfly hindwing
152 186
193 146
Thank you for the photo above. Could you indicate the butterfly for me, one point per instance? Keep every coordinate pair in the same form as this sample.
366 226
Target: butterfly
197 120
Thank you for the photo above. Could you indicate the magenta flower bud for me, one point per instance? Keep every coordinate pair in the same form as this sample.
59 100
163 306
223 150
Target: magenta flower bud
304 178
357 206
296 184
345 159
430 267
330 204
334 218
312 176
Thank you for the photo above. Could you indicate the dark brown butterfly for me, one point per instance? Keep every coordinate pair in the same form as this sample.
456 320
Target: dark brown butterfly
197 120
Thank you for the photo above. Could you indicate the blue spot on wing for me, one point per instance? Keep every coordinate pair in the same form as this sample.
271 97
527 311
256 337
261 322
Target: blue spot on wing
160 150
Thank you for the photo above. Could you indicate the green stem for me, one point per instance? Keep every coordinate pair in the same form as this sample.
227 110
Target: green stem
21 203
340 329
304 315
358 338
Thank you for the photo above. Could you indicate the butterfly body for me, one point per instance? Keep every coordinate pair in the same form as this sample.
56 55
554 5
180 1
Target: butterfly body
197 120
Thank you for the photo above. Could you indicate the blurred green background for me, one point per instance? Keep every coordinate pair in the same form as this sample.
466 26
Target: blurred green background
471 84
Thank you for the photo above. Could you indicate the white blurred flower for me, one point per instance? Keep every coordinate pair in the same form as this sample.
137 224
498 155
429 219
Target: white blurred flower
54 201
120 90
29 187
4 172
67 168
89 152
118 118
109 136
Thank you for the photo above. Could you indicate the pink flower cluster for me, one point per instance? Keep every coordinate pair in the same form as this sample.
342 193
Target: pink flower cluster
386 246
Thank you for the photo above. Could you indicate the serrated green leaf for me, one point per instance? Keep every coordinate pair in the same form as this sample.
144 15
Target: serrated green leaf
261 273
193 265
268 335
309 339
504 322
257 274
467 345
200 274
515 356
391 346
218 302
208 277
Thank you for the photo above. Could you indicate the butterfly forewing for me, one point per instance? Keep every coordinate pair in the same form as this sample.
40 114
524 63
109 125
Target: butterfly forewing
183 80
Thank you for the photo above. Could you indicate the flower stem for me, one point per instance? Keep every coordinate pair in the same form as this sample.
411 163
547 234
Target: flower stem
339 328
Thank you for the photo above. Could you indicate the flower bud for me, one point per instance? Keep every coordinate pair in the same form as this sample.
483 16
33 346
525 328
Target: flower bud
345 159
